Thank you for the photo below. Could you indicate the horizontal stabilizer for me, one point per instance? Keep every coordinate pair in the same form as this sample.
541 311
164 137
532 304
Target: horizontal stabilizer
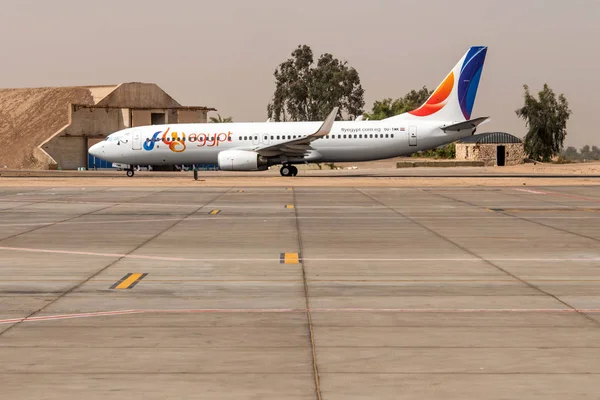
461 126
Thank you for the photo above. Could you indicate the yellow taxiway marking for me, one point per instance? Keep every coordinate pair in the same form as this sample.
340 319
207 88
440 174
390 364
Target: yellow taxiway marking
241 191
289 206
290 258
129 281
215 212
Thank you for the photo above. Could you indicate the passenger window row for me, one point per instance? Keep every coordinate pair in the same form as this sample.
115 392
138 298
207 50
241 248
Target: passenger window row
355 136
362 136
279 137
290 137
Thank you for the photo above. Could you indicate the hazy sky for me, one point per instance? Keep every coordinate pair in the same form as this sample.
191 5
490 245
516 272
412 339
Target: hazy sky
223 53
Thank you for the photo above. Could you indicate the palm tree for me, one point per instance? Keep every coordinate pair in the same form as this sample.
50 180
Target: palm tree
218 119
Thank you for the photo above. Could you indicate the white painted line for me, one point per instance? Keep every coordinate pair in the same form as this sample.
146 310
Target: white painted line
278 259
89 253
530 191
299 310
215 205
30 224
571 196
67 316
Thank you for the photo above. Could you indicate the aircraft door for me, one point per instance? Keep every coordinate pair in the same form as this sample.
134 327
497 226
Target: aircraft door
412 135
136 141
265 139
255 139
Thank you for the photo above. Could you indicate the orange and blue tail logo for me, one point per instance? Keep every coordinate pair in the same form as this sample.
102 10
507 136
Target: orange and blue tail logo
465 87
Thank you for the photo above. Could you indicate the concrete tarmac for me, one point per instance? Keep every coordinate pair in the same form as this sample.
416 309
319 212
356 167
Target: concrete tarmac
300 293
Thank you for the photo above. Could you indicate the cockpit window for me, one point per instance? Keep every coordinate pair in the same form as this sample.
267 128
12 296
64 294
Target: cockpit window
117 136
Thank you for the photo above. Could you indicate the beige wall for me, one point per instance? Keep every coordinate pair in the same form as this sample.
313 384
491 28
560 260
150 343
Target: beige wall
141 117
95 121
69 148
515 154
172 117
69 152
91 142
190 117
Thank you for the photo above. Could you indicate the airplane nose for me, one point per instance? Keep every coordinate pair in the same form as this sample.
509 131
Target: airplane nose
96 150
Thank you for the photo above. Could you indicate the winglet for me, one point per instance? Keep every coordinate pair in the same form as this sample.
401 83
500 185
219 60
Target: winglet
327 124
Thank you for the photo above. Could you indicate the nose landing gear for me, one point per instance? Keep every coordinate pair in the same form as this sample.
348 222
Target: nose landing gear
130 172
288 170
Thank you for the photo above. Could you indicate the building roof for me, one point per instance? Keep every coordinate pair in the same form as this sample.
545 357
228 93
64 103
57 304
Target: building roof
491 138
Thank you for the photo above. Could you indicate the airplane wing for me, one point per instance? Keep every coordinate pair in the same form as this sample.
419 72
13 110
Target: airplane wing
299 146
470 124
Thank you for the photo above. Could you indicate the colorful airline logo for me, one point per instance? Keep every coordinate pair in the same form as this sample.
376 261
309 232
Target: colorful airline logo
468 82
149 143
438 99
177 141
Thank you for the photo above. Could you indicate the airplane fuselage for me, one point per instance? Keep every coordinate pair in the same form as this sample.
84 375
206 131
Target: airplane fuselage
348 141
443 118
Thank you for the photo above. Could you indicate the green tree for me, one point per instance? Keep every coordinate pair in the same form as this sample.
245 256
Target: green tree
445 152
218 119
308 92
387 108
570 153
546 118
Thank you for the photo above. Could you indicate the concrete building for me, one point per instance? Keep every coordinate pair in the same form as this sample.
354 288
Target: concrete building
493 148
49 128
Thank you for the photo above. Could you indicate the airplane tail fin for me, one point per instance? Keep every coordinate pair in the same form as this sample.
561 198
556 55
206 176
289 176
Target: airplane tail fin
454 98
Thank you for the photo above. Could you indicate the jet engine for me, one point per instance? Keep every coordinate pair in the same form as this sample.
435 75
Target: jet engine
241 160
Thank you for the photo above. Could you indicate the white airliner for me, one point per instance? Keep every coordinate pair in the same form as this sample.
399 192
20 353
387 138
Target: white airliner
444 118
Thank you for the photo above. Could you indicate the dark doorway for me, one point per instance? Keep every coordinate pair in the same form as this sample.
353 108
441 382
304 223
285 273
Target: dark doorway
157 118
501 155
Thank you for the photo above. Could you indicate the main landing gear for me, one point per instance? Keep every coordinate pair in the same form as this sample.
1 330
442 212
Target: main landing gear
130 172
288 170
